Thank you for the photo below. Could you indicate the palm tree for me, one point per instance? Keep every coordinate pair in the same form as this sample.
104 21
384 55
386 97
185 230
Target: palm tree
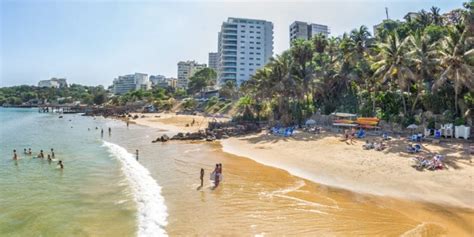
393 66
424 19
437 20
456 55
423 56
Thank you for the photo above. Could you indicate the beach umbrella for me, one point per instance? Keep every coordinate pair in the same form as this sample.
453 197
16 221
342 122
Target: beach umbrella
310 122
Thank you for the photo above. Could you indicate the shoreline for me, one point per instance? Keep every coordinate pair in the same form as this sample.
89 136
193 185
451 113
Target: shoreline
387 173
360 174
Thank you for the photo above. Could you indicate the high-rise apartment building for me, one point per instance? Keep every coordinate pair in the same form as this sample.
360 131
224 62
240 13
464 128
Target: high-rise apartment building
213 61
244 46
124 84
185 71
303 30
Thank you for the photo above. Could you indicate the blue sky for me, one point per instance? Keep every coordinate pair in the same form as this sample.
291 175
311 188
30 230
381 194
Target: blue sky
91 42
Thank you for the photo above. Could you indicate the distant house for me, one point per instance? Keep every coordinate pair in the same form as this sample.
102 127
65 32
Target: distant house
53 83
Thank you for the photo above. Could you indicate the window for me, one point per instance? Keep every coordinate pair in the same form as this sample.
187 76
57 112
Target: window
242 75
251 58
258 53
258 64
251 37
241 69
251 47
242 31
242 36
242 57
258 27
242 52
251 26
258 42
250 64
252 42
258 59
258 32
242 47
242 25
242 41
258 37
251 31
250 69
251 52
258 47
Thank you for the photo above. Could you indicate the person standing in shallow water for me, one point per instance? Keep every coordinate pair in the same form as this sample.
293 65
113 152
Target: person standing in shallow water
202 177
136 154
15 156
101 132
52 153
110 131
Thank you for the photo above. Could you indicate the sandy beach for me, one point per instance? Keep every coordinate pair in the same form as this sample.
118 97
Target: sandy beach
175 122
325 159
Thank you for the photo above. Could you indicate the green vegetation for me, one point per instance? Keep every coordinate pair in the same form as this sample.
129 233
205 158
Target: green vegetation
422 64
17 95
202 79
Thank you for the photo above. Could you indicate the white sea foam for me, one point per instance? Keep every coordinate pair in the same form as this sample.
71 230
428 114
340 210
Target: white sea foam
151 206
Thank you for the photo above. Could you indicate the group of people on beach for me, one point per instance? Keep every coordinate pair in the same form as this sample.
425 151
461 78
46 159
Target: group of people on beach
216 176
40 155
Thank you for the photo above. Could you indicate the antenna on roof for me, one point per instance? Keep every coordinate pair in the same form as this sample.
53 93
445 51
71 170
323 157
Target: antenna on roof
386 12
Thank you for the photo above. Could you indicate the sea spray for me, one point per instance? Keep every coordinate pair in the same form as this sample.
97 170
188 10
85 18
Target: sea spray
151 206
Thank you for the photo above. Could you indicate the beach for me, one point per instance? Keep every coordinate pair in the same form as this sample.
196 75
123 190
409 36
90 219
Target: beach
325 159
275 185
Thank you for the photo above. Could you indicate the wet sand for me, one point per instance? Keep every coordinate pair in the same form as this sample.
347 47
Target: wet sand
256 199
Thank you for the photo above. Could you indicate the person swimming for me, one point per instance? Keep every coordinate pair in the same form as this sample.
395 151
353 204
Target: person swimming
41 155
15 156
29 151
25 152
52 153
60 164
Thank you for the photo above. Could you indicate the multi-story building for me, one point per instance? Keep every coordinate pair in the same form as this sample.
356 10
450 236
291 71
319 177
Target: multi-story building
187 70
244 46
53 83
156 79
124 84
303 30
162 81
213 61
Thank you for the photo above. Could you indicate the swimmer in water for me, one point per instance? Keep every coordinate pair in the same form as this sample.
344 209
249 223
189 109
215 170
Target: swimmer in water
25 152
29 151
52 153
41 155
60 163
15 156
49 159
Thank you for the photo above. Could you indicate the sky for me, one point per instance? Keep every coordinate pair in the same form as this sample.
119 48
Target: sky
93 42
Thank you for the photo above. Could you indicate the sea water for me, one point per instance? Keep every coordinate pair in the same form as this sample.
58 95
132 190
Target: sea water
102 190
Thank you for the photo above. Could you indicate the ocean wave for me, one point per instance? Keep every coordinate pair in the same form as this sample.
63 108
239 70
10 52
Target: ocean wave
152 211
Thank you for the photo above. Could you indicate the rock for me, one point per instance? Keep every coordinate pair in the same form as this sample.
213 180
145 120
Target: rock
164 138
